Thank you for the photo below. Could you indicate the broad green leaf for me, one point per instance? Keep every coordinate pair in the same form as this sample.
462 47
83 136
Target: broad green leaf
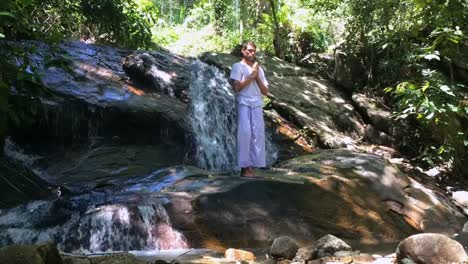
5 13
1 35
426 85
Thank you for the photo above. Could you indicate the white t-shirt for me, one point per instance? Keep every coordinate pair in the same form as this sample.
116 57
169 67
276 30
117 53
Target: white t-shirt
251 94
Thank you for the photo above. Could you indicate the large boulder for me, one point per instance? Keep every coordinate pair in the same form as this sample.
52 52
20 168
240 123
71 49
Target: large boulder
91 96
359 197
349 70
431 248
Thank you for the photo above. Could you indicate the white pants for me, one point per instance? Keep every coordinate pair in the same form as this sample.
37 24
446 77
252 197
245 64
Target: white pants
250 137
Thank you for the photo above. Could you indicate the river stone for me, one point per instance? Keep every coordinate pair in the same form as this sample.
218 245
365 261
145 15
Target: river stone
45 253
329 244
431 248
304 254
284 247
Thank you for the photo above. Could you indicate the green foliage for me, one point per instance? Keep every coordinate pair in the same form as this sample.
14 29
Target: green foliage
125 24
120 22
413 45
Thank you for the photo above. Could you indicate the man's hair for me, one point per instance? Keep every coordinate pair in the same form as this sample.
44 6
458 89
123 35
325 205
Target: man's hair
247 43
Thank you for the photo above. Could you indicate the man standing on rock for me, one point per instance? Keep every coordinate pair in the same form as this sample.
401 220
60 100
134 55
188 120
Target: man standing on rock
249 83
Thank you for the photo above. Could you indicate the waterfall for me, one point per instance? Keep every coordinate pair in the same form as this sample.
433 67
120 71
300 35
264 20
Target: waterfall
213 120
112 227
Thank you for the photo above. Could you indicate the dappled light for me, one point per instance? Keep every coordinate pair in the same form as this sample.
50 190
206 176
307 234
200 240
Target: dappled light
119 131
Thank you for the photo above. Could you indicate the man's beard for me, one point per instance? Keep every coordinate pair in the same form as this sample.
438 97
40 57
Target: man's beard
251 59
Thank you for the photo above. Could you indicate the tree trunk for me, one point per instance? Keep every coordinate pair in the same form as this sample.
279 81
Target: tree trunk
277 38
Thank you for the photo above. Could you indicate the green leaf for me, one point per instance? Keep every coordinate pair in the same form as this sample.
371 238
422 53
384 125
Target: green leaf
5 13
453 108
388 89
426 85
441 150
1 35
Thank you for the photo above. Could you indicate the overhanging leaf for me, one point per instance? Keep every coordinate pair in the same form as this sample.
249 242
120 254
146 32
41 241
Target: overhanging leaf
5 13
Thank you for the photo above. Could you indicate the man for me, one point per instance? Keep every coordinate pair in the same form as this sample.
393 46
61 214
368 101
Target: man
249 82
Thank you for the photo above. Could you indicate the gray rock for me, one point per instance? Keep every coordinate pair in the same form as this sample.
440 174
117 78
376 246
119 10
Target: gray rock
348 70
329 244
431 248
284 247
304 254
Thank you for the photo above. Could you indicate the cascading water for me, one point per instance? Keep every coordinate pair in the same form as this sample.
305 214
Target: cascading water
111 227
213 119
121 219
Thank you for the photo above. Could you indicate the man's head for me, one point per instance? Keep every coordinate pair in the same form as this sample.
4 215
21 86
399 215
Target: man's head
249 51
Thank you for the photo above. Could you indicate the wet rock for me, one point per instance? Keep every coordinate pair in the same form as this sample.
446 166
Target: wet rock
162 71
36 254
18 184
430 248
284 247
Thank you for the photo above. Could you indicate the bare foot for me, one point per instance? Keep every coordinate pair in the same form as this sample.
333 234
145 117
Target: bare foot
248 173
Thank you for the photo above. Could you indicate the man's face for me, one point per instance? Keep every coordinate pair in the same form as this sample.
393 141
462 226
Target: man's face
249 53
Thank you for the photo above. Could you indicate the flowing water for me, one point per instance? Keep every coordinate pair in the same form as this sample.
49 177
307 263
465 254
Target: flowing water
78 226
